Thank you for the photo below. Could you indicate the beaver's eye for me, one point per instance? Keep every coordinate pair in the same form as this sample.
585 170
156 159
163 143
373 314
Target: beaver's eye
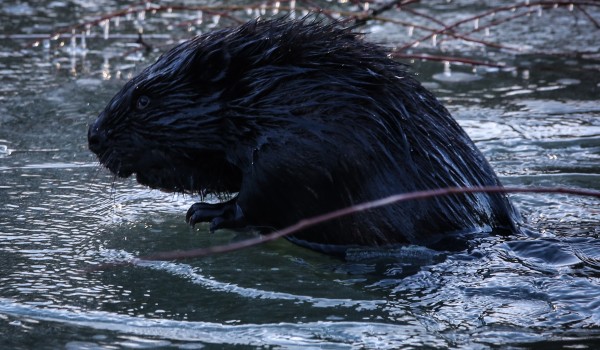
142 102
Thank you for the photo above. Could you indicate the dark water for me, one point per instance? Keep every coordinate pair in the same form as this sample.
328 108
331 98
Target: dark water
538 124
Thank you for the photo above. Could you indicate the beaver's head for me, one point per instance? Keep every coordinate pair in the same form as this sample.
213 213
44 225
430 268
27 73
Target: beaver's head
167 125
196 119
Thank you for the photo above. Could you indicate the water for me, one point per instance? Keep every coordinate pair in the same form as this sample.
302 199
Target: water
538 124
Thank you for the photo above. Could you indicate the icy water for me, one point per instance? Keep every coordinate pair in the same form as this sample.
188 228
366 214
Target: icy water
60 213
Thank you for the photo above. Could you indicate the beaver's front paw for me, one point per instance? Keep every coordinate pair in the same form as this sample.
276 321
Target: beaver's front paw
220 215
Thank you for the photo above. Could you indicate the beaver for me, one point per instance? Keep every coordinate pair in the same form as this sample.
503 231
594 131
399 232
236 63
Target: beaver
295 118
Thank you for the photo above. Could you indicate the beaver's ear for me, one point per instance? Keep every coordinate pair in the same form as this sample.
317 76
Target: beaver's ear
212 66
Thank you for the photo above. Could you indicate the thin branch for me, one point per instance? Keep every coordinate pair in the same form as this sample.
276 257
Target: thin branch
494 23
430 18
588 16
306 223
493 11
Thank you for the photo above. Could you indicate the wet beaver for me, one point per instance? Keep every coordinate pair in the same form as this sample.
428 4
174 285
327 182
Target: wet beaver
299 118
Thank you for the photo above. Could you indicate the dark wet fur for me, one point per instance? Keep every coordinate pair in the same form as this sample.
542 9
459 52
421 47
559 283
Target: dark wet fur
301 118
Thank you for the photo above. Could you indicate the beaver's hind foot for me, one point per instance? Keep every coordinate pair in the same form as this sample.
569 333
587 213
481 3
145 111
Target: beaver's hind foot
220 215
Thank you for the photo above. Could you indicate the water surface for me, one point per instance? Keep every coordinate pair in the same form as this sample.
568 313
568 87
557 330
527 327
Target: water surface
538 123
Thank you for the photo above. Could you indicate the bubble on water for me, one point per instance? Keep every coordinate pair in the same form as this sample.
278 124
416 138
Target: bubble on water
4 151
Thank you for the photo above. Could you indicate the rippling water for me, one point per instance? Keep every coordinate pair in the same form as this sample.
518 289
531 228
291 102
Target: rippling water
538 124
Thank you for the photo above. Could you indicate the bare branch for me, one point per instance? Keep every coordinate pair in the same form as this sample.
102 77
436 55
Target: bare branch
303 224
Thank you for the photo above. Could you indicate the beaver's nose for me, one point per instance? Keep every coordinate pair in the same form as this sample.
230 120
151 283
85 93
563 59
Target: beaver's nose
96 139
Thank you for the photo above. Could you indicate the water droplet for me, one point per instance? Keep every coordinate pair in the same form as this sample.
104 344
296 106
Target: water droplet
293 9
73 47
105 69
476 24
73 64
216 19
447 71
106 26
199 16
411 30
83 43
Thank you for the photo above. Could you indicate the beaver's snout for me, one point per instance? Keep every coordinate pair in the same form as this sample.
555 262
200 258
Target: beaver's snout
99 142
97 139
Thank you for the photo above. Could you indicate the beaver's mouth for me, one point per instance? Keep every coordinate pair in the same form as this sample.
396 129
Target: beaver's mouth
202 173
172 171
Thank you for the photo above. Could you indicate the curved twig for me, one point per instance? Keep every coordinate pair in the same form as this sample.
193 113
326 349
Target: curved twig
303 224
